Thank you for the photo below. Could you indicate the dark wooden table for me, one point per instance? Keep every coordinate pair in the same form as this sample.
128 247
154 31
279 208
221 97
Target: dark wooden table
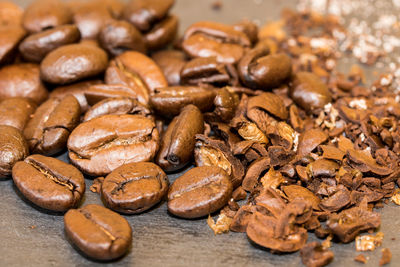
32 237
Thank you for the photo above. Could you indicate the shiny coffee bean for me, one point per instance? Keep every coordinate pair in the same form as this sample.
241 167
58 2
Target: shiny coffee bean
199 192
260 70
16 112
10 14
36 46
71 63
22 80
49 183
10 37
98 232
118 36
144 13
136 70
162 33
116 105
309 92
134 188
101 145
45 14
169 101
13 148
249 28
171 63
47 132
177 143
77 90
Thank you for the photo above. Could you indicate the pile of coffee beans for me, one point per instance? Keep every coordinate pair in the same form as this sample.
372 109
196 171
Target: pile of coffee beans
282 143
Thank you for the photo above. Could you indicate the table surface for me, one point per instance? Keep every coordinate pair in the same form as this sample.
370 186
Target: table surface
33 237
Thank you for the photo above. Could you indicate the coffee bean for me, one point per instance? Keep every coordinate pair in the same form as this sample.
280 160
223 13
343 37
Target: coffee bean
10 37
177 143
249 28
116 105
47 132
144 13
98 232
22 80
171 63
36 46
13 148
44 14
134 188
118 36
16 112
199 192
162 33
309 92
10 14
49 183
101 145
71 63
169 101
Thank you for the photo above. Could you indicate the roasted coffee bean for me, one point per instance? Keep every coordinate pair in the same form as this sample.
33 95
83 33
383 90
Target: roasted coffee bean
36 46
259 69
177 143
116 105
10 14
162 33
169 101
77 90
49 183
47 132
199 192
16 112
171 63
225 104
10 37
268 102
101 145
98 232
309 92
22 80
73 62
45 14
249 28
118 36
135 70
212 39
208 71
134 188
13 148
145 13
100 92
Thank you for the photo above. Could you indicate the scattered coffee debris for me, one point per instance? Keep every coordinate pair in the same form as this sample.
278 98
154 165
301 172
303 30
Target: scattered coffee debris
96 186
221 225
369 242
386 257
361 258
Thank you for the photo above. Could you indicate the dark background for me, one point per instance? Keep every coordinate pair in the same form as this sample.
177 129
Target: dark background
31 237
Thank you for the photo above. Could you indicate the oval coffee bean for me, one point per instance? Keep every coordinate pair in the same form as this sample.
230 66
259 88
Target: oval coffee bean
13 148
134 188
309 92
144 13
116 105
22 80
10 14
118 36
162 33
199 192
101 145
98 232
73 62
10 37
260 70
44 14
171 63
177 144
49 183
36 46
169 101
47 132
16 112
